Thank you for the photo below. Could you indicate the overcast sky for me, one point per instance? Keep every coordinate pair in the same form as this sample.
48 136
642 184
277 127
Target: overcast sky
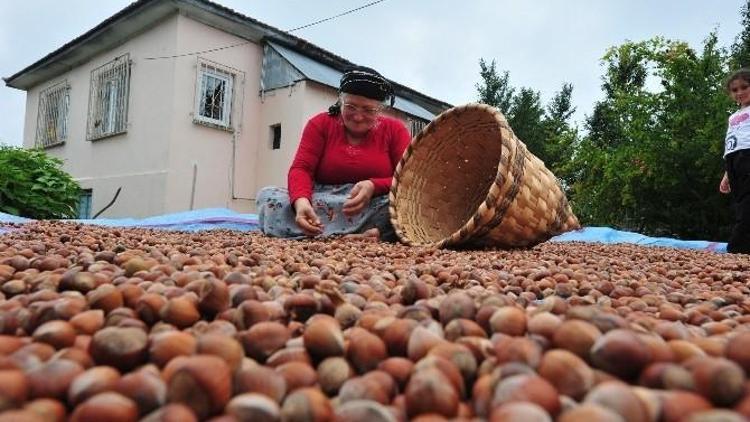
432 46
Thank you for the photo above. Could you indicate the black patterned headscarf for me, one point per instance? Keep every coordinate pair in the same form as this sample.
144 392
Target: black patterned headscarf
366 82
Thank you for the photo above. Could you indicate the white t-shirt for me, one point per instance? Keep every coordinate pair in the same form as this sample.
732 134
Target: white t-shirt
738 131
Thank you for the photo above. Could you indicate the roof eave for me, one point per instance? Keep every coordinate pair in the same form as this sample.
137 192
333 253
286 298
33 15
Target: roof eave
109 33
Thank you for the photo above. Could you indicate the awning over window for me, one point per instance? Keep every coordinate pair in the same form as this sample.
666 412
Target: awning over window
283 66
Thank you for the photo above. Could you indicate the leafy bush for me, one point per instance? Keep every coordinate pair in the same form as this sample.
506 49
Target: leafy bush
33 184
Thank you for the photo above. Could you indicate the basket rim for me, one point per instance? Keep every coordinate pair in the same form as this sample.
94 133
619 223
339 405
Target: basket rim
468 229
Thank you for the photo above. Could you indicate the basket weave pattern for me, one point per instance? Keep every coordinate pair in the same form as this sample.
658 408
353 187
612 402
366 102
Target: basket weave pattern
467 181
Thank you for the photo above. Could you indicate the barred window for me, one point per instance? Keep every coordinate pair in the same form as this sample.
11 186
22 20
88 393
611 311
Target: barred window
108 99
416 126
213 99
52 119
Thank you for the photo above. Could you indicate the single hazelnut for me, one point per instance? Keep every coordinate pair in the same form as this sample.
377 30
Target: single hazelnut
527 388
122 348
456 305
398 368
508 320
163 347
149 306
180 311
544 324
253 407
332 373
361 388
145 387
421 340
427 391
576 336
290 353
262 380
58 334
323 337
107 406
91 382
738 350
50 410
519 349
720 380
251 312
14 389
223 346
203 382
306 404
365 351
567 372
88 322
297 375
620 352
396 336
679 405
262 339
105 297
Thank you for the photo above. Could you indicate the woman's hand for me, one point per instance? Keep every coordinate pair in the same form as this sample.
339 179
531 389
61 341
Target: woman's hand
724 185
306 218
359 198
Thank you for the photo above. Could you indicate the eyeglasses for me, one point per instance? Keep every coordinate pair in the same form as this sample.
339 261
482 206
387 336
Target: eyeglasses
365 111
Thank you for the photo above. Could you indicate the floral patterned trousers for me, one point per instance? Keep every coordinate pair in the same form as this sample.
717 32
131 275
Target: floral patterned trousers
276 215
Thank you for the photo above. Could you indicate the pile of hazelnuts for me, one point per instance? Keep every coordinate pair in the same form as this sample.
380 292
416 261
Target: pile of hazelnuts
114 324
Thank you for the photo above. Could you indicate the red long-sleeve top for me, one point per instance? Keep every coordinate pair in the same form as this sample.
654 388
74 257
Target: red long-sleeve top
325 156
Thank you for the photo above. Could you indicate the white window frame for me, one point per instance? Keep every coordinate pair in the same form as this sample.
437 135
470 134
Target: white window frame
52 115
108 99
208 70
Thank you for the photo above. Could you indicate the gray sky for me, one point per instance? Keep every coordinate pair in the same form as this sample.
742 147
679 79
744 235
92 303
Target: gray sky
430 45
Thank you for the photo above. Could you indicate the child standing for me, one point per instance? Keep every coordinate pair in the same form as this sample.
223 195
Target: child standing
736 178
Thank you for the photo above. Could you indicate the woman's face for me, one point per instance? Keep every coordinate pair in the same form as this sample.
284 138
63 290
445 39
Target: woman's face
359 113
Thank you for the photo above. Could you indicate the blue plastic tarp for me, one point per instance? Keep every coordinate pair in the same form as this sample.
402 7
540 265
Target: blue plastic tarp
610 236
222 218
197 220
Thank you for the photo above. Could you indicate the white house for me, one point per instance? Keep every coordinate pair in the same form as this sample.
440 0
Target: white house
182 104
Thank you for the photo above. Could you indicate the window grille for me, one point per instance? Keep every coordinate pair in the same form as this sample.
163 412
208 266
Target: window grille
416 126
108 99
52 118
276 136
214 95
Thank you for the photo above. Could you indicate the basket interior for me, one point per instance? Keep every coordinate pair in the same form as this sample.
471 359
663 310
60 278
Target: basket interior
448 176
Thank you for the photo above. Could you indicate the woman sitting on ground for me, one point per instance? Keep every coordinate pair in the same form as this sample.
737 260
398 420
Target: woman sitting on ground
341 174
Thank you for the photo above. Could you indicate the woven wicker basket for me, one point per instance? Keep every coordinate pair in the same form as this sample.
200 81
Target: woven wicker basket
467 181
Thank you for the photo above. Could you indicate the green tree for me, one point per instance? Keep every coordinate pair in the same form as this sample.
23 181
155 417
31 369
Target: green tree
560 135
33 184
525 117
651 160
494 89
522 107
741 46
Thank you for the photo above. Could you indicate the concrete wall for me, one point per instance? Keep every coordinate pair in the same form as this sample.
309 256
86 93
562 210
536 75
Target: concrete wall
135 160
222 161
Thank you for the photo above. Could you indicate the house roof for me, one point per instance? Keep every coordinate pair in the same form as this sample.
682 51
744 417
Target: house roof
143 14
327 75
